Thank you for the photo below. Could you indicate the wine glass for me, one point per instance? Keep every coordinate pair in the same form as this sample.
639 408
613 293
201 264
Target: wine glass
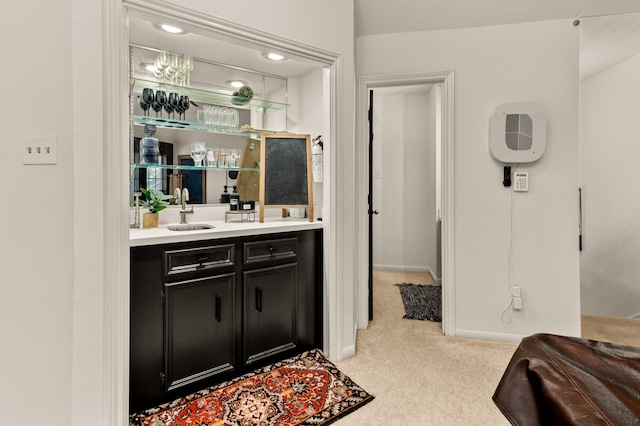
198 152
161 99
144 105
161 63
185 104
187 67
157 108
174 100
146 98
169 109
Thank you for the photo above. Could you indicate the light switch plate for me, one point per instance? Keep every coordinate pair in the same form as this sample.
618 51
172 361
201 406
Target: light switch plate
39 149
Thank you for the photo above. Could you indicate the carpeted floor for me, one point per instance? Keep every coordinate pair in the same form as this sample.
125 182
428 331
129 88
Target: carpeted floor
306 390
419 376
422 378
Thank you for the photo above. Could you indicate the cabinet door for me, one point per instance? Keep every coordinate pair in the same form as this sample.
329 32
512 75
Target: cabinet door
270 311
198 329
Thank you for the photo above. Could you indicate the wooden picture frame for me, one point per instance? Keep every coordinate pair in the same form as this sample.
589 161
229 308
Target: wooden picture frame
286 178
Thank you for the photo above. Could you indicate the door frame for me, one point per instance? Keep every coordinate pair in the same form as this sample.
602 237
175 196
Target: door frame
117 171
365 83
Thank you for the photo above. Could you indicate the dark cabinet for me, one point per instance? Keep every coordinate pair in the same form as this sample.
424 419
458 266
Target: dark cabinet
206 311
198 329
270 311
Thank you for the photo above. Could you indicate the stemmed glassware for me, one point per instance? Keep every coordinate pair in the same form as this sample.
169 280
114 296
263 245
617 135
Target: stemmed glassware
161 100
146 99
184 105
173 101
198 152
173 68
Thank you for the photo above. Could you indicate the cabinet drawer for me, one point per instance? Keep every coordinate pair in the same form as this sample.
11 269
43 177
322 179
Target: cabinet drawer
261 252
198 259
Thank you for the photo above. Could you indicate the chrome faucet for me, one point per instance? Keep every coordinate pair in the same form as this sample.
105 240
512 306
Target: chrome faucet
183 211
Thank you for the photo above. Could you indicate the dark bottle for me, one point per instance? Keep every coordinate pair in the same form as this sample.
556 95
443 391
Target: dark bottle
149 147
234 200
224 197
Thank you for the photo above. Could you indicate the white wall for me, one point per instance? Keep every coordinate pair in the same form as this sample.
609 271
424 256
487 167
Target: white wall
404 153
52 309
36 307
306 116
535 62
609 150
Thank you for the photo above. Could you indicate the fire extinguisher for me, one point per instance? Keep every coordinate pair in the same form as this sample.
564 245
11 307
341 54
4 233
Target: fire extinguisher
316 158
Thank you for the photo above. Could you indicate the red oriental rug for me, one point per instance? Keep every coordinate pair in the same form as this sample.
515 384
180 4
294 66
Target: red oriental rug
305 390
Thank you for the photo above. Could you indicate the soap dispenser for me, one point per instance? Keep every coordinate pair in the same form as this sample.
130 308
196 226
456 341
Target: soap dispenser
224 197
149 146
234 200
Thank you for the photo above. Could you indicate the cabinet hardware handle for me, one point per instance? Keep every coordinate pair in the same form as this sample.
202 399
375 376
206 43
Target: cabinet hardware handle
201 260
258 299
272 250
218 307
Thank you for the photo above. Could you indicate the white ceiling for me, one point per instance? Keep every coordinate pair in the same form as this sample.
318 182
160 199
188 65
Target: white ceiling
605 41
395 16
612 37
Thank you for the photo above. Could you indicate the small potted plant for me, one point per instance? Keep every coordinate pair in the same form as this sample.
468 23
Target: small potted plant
155 201
242 95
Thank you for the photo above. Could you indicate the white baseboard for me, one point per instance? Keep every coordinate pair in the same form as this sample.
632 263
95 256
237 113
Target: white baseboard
501 337
435 279
350 351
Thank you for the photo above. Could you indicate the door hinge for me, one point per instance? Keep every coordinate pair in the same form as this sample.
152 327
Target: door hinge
162 379
162 297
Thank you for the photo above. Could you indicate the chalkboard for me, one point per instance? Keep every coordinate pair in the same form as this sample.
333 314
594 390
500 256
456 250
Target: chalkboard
285 172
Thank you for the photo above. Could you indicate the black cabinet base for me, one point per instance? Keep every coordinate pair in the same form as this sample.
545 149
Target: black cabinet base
205 312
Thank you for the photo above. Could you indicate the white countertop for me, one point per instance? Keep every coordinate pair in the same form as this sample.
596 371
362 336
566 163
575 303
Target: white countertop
162 235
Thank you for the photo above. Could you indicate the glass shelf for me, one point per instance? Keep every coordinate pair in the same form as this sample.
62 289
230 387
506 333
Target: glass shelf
194 125
185 167
206 96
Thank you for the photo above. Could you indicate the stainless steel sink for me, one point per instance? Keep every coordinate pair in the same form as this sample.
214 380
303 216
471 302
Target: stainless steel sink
190 227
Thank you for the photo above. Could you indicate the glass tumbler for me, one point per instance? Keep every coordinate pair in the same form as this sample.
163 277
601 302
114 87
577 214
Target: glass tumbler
212 157
234 157
223 158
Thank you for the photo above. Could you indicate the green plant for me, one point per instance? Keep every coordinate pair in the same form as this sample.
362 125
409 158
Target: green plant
154 200
244 91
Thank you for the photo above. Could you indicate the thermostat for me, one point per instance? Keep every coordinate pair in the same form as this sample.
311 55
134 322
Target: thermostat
517 132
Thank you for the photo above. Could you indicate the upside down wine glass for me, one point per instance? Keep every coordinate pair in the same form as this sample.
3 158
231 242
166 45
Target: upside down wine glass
198 152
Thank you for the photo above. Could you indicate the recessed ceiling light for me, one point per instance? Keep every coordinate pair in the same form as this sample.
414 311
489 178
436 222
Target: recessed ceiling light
236 83
171 29
275 56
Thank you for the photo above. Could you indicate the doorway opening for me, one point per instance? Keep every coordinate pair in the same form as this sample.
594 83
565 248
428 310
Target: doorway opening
397 182
405 186
609 65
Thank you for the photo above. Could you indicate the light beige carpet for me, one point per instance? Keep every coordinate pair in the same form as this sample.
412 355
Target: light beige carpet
420 377
622 331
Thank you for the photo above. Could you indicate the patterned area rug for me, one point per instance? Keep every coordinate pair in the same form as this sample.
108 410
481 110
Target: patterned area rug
422 302
305 390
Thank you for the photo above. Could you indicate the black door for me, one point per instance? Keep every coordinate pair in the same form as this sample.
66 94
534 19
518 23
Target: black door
199 328
270 311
